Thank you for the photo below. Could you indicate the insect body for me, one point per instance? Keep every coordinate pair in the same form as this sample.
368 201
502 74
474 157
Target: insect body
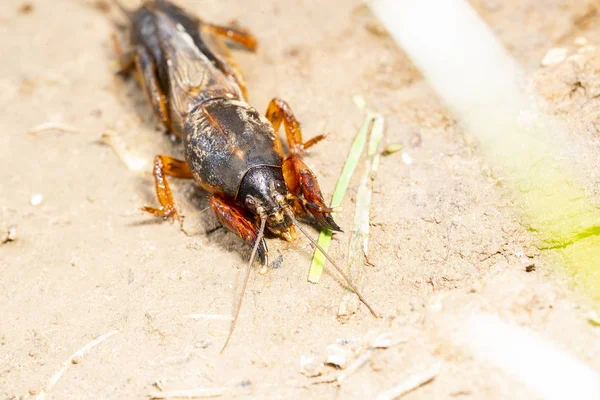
231 151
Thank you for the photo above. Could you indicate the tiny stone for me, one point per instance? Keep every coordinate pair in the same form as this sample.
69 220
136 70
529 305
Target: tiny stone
310 367
359 101
75 360
554 56
349 306
36 200
376 29
580 41
337 355
407 159
12 233
7 234
593 318
528 264
436 306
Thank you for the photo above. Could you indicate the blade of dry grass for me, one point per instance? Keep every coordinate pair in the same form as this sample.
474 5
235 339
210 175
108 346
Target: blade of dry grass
196 393
74 359
411 383
359 238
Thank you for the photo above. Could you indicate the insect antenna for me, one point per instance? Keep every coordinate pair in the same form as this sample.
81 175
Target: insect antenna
259 237
315 244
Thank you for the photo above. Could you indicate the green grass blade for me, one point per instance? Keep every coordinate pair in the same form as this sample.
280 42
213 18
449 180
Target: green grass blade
360 140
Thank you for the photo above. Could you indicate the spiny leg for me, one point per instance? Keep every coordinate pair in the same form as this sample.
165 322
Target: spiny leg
165 165
233 34
300 180
238 221
147 72
279 111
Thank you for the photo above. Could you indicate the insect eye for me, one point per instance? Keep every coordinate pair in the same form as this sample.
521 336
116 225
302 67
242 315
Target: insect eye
280 186
254 114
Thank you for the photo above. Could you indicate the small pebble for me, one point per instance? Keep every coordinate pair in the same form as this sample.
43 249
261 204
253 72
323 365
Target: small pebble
554 56
245 384
310 367
36 200
203 344
593 318
8 235
407 159
359 101
337 355
376 29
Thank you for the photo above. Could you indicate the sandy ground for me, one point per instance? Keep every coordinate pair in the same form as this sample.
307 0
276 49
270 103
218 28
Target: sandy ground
446 239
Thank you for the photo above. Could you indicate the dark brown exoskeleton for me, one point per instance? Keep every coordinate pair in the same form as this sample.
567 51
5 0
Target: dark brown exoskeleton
233 152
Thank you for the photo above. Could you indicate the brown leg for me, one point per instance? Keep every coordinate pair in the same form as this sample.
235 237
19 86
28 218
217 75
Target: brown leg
238 221
222 56
165 165
279 111
147 72
236 35
228 66
301 181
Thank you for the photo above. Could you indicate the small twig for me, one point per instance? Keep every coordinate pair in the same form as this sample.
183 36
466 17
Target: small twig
71 360
132 162
53 126
411 383
199 393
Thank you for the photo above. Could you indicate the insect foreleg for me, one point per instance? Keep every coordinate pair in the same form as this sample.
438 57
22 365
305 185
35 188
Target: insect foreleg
239 222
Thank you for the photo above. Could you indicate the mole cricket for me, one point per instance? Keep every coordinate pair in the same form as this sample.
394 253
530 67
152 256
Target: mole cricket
234 153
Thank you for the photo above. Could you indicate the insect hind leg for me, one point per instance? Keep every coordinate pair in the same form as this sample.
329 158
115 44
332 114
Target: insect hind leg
163 166
146 70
